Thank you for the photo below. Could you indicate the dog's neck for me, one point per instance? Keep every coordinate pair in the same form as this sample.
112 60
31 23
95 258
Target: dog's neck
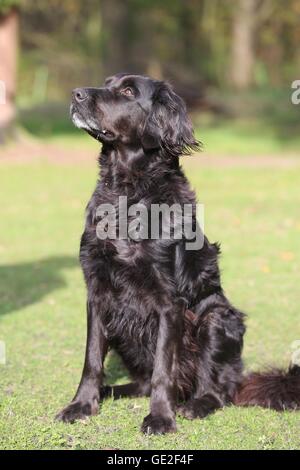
124 168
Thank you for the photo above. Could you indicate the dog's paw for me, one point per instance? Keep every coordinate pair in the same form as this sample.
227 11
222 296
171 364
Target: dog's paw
195 408
77 410
190 409
158 425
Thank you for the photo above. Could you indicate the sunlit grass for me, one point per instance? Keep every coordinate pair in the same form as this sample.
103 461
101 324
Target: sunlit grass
253 212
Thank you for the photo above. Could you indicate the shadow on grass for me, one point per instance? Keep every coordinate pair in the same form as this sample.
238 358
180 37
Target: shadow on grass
26 283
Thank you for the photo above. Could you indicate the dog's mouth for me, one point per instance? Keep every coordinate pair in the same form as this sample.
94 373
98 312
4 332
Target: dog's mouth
88 125
100 134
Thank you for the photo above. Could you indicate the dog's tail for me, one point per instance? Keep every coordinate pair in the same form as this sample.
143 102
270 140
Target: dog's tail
276 389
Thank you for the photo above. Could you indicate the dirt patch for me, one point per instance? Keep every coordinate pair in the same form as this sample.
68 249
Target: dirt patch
28 151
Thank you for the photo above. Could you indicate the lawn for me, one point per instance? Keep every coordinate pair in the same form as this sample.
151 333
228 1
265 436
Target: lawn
253 212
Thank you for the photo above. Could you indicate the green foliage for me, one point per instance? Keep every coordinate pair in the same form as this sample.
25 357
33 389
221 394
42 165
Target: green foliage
60 44
188 42
6 5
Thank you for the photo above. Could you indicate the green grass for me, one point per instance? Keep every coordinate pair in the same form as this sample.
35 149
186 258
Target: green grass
261 121
245 137
253 212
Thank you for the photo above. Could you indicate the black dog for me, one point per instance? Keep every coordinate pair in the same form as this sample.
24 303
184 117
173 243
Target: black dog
159 305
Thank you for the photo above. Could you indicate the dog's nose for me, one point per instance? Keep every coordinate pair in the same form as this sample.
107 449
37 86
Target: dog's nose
80 94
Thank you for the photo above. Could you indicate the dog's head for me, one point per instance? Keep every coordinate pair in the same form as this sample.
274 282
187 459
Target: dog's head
136 111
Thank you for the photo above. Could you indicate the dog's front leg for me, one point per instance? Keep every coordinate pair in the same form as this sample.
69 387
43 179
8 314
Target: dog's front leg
163 384
86 400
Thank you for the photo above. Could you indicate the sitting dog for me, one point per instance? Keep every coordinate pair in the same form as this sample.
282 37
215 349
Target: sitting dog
160 306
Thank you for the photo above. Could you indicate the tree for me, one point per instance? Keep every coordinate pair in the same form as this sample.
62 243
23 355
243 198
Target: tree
243 46
116 30
8 63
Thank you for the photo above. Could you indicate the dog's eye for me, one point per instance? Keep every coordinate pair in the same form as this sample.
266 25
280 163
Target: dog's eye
127 91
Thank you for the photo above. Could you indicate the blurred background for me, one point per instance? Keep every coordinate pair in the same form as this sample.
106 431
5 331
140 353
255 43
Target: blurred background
233 62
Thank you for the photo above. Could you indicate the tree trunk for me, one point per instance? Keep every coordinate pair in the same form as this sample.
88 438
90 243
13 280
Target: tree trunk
116 36
243 44
8 69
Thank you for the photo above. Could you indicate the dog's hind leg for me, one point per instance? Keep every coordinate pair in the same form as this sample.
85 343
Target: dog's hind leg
217 366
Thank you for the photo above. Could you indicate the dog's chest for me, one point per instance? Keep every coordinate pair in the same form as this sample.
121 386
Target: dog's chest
122 227
138 265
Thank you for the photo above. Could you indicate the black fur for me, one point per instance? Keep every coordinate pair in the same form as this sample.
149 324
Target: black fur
160 306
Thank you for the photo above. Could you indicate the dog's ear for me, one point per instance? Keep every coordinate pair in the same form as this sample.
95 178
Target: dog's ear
168 126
